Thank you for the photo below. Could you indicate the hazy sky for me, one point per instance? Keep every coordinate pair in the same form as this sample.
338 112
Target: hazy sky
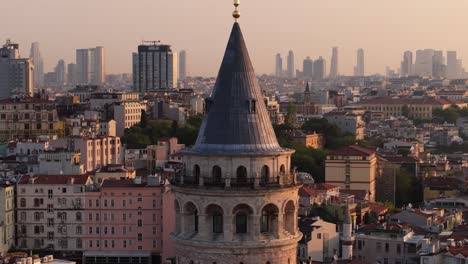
384 28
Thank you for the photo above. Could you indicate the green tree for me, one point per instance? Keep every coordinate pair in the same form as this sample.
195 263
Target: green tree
291 115
143 119
405 111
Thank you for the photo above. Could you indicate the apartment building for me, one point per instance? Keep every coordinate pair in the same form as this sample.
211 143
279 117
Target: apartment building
27 118
352 168
158 155
320 241
7 216
128 220
389 243
420 108
348 122
50 212
95 151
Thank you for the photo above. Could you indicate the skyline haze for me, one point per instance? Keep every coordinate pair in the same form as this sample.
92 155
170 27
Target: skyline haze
309 28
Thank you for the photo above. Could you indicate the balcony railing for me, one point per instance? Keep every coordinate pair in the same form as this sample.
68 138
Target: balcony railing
276 181
239 183
212 182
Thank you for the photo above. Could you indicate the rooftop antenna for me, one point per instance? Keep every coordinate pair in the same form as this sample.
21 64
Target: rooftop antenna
236 13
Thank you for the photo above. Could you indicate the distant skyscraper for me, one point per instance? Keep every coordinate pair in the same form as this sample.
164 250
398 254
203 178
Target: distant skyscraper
307 67
71 74
359 69
319 69
90 64
278 65
16 74
406 68
453 65
424 62
60 73
438 64
38 63
291 67
334 63
182 65
154 67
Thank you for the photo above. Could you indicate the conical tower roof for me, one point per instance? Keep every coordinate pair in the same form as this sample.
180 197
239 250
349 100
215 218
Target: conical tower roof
237 121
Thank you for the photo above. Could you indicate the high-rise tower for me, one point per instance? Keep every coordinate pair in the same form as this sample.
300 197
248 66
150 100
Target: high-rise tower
278 65
359 69
406 68
291 67
90 66
308 67
38 63
182 65
236 199
334 63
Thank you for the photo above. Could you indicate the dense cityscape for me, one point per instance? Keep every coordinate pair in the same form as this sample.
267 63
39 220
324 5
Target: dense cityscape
304 165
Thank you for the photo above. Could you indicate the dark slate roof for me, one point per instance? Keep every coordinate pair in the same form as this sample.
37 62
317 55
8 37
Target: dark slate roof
230 127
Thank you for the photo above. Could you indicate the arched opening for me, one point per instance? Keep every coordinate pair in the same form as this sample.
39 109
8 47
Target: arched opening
265 174
242 218
241 175
269 220
191 218
214 215
289 217
216 174
282 170
196 174
177 212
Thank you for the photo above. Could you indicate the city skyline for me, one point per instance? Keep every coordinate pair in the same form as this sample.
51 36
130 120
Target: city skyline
126 25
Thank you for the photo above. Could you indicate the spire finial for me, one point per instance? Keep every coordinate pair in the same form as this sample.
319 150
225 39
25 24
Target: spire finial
236 13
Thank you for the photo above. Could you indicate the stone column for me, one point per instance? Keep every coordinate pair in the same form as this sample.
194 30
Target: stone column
200 181
227 182
256 227
280 227
256 181
203 227
228 228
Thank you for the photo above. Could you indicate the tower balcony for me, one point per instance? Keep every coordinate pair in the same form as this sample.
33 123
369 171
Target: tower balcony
279 181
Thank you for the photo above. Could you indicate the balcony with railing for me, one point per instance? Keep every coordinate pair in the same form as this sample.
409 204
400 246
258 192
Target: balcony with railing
279 181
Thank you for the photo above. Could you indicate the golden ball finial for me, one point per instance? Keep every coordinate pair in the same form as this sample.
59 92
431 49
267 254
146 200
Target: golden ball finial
236 13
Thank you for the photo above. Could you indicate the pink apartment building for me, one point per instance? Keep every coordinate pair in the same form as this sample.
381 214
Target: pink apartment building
128 221
95 151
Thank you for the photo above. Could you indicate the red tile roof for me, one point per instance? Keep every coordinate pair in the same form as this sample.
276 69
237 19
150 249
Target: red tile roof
463 250
324 186
54 179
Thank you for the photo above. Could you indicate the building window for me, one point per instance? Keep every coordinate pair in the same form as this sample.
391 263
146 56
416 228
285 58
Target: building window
79 230
140 237
378 247
216 174
241 223
79 243
23 202
78 216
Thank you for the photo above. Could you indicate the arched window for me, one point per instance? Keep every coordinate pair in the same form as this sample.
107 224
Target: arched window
241 175
242 217
214 214
269 219
289 217
196 174
216 174
191 217
265 174
282 170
